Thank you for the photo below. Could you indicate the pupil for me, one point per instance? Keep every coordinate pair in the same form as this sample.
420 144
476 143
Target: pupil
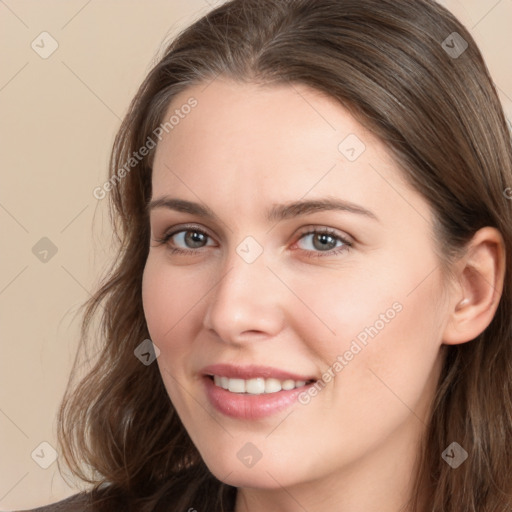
194 238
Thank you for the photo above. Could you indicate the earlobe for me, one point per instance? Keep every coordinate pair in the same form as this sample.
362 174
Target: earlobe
481 275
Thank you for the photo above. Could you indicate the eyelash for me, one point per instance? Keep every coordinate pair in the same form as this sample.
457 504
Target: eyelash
312 254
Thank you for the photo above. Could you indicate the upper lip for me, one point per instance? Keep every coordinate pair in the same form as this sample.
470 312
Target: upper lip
252 371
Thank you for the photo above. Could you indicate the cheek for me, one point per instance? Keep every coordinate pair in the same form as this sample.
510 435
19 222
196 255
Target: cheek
406 361
378 332
170 298
346 304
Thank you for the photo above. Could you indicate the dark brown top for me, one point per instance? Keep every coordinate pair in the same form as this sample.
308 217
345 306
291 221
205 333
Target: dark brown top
76 503
108 498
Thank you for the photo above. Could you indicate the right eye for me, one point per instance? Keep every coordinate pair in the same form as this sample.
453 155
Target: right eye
185 241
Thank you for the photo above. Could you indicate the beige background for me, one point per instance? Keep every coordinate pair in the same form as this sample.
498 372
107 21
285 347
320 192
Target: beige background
57 123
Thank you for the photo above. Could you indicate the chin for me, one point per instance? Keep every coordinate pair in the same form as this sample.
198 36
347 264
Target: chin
271 471
256 477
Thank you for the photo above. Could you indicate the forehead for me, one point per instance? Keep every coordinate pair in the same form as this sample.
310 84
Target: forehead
275 142
245 112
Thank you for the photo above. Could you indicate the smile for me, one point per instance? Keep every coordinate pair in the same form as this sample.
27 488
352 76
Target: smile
258 385
252 392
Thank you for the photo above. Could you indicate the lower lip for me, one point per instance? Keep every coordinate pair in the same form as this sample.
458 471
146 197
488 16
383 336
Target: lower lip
247 406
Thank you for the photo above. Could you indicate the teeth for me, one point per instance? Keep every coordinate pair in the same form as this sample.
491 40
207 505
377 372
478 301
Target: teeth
288 384
236 385
272 386
257 386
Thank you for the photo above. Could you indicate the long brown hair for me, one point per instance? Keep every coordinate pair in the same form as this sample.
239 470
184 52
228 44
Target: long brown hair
431 100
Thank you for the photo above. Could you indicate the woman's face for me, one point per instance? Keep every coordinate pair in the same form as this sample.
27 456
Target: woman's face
279 284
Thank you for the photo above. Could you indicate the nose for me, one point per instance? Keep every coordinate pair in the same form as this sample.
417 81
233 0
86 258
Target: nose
247 303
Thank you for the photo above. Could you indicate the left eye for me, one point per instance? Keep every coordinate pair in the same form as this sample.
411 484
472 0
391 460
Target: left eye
323 241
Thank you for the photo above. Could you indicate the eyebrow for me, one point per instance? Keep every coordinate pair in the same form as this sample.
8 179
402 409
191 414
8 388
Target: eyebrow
276 213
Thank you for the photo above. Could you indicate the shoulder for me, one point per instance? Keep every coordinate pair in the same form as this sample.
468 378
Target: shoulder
75 503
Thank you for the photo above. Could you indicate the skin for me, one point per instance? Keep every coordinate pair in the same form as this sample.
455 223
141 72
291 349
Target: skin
353 447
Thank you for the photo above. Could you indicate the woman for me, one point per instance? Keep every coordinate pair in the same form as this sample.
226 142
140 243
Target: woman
310 309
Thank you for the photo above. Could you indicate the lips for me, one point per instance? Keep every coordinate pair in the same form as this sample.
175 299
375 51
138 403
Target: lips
236 391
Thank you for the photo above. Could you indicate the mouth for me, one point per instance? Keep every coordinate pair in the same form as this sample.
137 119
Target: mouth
252 392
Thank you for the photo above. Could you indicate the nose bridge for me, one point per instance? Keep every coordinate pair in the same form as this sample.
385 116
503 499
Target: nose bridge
247 297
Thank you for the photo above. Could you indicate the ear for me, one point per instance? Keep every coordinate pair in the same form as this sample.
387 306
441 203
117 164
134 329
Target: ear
481 273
